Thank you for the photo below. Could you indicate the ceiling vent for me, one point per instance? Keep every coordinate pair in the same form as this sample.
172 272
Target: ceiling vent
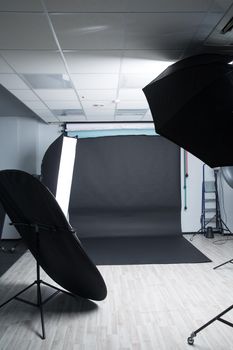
131 112
67 112
228 27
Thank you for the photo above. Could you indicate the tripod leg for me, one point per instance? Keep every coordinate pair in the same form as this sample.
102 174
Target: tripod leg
226 262
190 339
39 299
40 305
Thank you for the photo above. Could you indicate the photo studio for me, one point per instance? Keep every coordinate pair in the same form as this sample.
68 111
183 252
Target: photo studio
116 174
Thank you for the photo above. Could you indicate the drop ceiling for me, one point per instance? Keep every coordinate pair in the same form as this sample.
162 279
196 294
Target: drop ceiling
88 60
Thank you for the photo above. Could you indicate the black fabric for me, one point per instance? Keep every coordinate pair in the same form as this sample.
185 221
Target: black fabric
126 186
50 165
142 250
191 104
61 255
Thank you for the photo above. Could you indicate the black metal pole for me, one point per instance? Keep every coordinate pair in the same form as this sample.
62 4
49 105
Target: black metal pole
38 282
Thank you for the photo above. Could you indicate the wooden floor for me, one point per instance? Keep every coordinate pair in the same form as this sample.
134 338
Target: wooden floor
148 307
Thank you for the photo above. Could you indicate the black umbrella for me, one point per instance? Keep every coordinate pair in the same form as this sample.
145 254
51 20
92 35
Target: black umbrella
192 105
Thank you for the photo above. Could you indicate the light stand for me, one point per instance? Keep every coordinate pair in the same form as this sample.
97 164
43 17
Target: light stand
38 282
220 224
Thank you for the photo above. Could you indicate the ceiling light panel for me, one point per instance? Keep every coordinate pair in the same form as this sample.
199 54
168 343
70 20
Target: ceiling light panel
64 104
103 95
32 29
95 81
89 31
67 112
93 61
135 5
48 81
35 62
21 6
12 81
56 95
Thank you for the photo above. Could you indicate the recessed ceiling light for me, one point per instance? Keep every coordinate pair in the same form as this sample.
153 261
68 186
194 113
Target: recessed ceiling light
48 81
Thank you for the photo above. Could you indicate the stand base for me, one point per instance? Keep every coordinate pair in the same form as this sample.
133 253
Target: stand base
219 318
39 302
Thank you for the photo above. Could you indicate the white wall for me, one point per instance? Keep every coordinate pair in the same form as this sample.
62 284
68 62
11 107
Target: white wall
23 142
47 133
18 149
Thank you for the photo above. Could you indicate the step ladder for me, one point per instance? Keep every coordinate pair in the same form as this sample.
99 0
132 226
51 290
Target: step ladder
210 211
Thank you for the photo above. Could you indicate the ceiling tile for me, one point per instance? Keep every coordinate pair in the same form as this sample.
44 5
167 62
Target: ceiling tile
130 118
89 31
100 94
100 117
135 81
25 31
12 81
131 94
94 61
64 104
34 104
167 31
95 81
132 105
56 95
177 5
26 95
94 112
4 68
21 5
85 6
71 118
35 62
46 115
147 61
135 5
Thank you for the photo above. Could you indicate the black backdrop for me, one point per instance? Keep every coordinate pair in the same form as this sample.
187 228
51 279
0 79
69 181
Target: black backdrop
126 186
